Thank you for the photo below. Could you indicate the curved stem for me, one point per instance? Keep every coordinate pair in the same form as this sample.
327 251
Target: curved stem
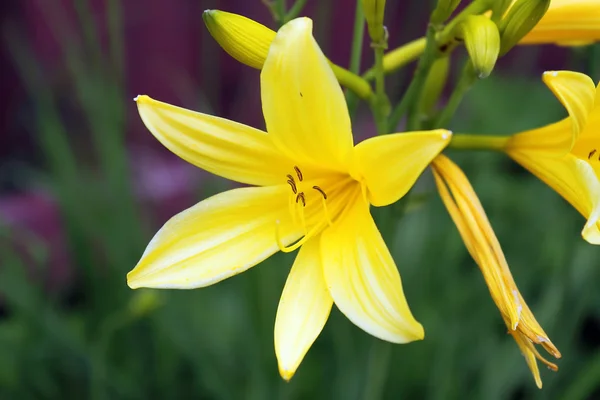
357 46
466 80
352 81
417 82
399 57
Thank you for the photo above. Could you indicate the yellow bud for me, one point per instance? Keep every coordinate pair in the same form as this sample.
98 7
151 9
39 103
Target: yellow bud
443 10
373 10
242 38
144 302
520 19
434 84
482 41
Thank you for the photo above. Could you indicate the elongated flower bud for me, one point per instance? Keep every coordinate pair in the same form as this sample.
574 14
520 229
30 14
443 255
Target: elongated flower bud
374 10
242 38
443 10
499 7
522 17
482 41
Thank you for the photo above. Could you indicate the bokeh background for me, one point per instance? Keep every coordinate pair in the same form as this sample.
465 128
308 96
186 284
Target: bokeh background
84 186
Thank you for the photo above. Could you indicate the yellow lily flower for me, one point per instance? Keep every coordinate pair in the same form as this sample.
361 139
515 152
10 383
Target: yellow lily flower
481 242
565 154
567 22
313 189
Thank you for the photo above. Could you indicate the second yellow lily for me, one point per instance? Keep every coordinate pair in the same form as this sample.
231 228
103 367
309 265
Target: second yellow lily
566 154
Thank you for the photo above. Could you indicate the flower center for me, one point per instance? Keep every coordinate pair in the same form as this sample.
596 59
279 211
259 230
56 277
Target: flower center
308 205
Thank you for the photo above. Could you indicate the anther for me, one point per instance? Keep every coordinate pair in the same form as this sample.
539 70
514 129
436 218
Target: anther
300 196
591 154
318 189
298 172
293 185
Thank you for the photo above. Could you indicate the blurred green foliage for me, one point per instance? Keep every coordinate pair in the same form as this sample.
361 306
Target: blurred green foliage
217 343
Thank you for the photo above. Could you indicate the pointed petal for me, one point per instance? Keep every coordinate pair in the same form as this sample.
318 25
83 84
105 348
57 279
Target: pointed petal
303 309
574 180
576 92
363 279
391 164
225 148
217 238
303 104
553 140
590 180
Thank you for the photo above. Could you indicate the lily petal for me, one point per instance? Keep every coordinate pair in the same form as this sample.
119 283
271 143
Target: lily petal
303 104
363 279
574 180
303 309
225 148
391 164
576 92
217 238
589 177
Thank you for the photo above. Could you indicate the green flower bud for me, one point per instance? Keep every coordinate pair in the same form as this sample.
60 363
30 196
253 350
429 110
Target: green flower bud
443 10
482 41
374 10
242 38
522 17
498 8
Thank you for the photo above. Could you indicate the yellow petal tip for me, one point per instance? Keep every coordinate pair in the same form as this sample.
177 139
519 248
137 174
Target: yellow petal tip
286 374
131 281
142 98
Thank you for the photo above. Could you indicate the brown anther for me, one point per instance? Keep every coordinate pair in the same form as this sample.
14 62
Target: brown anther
591 154
293 185
318 189
298 172
300 196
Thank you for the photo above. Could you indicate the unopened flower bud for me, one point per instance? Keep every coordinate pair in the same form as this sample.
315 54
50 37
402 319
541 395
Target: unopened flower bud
443 10
522 17
242 38
482 41
374 10
499 8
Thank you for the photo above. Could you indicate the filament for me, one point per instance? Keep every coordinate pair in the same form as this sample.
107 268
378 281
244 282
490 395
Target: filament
289 249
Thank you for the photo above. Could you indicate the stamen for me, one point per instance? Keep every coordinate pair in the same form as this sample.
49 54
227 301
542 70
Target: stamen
320 191
326 211
591 153
296 245
298 172
293 185
300 196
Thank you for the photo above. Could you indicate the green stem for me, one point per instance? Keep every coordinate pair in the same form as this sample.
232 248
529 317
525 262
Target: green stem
466 80
462 141
356 55
410 96
294 11
352 81
380 355
280 8
399 57
380 102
